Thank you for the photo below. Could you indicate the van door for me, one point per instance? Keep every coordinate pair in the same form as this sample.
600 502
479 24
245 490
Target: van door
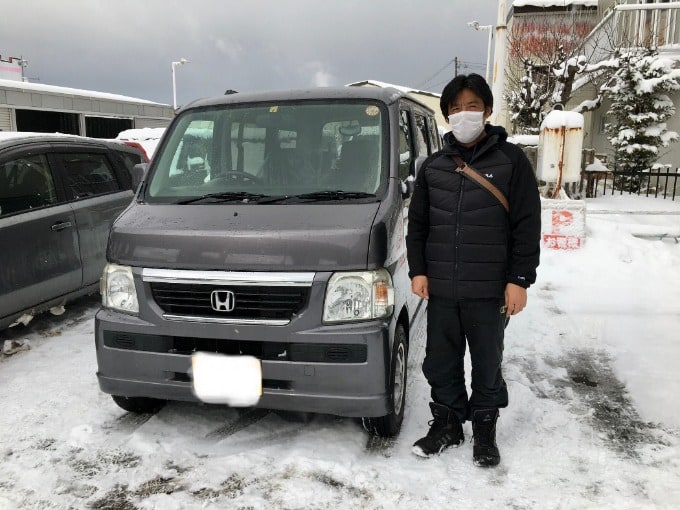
97 197
40 257
407 166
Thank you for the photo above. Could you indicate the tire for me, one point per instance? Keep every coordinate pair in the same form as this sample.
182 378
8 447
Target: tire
390 424
139 405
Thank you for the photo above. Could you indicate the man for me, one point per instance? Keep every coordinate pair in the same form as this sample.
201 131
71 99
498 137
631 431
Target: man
473 261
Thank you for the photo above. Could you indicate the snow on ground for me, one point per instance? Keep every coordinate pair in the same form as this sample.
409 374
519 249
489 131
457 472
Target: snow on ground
591 367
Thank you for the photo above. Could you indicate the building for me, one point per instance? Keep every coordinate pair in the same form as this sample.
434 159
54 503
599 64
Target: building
43 108
539 32
594 29
630 26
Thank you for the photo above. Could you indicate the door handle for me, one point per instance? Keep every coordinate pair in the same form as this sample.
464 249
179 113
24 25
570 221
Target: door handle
61 225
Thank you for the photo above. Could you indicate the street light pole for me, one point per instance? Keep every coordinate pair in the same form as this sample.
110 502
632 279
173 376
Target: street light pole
180 62
24 64
477 26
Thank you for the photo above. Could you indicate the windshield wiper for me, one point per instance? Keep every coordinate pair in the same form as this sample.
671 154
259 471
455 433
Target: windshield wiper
225 196
333 195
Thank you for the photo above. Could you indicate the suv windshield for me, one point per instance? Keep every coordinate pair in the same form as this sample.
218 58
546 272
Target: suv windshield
273 150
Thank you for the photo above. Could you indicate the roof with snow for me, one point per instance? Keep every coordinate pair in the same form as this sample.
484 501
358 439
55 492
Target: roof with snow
54 89
553 3
382 84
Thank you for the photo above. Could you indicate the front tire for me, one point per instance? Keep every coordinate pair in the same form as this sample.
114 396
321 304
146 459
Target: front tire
390 424
139 405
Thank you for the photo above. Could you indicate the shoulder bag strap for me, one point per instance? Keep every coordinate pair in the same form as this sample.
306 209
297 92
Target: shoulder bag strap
482 181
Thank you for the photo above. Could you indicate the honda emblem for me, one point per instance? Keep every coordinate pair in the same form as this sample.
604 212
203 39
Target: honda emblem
222 300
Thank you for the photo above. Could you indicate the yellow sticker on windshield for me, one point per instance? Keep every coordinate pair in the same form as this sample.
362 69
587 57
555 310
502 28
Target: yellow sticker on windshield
372 110
273 109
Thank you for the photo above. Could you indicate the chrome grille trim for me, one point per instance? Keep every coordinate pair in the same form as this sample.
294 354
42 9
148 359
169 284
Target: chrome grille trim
215 320
279 279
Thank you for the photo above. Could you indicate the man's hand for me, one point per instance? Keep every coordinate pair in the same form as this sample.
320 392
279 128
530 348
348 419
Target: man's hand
515 299
419 286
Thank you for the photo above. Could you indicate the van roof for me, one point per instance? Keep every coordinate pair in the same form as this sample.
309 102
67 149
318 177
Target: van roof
12 139
387 95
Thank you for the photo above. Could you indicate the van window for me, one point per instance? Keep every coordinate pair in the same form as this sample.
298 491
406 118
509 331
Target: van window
189 161
422 136
88 174
272 150
26 183
435 137
405 145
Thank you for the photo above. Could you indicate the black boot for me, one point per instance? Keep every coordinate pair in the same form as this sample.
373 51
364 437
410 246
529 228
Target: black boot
445 430
484 449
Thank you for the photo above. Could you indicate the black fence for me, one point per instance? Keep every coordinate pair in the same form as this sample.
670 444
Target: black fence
649 183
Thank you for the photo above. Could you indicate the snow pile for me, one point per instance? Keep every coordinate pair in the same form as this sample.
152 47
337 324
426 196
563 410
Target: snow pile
146 137
596 166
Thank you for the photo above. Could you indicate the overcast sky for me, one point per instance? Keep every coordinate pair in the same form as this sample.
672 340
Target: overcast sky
127 46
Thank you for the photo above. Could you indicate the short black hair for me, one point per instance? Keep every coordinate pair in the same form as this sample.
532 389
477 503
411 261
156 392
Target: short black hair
472 81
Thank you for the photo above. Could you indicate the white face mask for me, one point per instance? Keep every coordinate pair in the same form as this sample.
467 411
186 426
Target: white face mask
467 126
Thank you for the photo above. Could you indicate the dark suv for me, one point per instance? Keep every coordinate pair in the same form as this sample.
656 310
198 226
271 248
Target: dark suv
59 196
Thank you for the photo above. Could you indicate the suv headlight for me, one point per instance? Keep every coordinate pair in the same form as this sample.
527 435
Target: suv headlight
118 289
358 295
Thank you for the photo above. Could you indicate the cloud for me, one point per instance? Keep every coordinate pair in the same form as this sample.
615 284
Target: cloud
245 46
320 76
230 49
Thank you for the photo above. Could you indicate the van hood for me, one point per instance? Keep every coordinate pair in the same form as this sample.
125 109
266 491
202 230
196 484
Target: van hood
244 237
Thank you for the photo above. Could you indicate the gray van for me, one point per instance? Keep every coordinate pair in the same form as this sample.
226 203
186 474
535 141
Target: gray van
271 225
59 196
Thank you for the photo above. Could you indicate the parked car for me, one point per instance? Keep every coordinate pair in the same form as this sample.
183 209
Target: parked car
144 138
270 227
132 152
59 195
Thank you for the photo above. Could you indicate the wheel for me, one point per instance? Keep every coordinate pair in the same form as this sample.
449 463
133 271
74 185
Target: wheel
139 405
390 424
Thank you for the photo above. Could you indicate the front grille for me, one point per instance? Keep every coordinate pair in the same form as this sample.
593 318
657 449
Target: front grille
250 302
270 351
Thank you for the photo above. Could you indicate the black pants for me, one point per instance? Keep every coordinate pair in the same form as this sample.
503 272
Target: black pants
449 324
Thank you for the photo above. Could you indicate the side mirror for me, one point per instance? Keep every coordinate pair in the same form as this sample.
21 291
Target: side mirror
408 186
138 174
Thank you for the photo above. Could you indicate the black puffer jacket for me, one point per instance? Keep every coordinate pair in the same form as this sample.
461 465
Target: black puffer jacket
460 236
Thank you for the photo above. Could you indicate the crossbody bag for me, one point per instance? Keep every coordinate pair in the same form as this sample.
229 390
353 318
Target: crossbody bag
480 180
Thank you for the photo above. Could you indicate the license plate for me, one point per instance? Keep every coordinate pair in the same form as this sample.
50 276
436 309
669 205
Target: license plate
223 379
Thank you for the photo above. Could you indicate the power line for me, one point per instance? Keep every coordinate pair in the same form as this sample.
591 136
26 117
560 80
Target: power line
438 72
462 64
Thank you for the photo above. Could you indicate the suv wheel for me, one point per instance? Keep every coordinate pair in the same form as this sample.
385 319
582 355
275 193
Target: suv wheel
390 424
139 405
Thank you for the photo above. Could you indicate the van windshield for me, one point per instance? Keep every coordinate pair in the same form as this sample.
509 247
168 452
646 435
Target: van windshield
273 152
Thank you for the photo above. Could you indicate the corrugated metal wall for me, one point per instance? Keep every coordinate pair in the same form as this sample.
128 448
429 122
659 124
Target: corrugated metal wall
5 119
151 123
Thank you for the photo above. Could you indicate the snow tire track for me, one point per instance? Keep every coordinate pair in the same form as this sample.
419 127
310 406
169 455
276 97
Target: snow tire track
244 420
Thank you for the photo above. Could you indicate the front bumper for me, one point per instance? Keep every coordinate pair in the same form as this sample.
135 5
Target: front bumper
339 369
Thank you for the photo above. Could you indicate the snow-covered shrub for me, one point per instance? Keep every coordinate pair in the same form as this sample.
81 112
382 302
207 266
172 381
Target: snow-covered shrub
639 110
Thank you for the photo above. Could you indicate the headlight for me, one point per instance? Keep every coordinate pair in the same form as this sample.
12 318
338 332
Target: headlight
118 289
360 295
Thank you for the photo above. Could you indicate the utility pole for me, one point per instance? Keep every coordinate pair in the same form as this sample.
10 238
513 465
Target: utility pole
455 66
500 112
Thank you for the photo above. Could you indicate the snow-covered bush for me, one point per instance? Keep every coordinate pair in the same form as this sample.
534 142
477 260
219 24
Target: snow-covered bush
639 110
